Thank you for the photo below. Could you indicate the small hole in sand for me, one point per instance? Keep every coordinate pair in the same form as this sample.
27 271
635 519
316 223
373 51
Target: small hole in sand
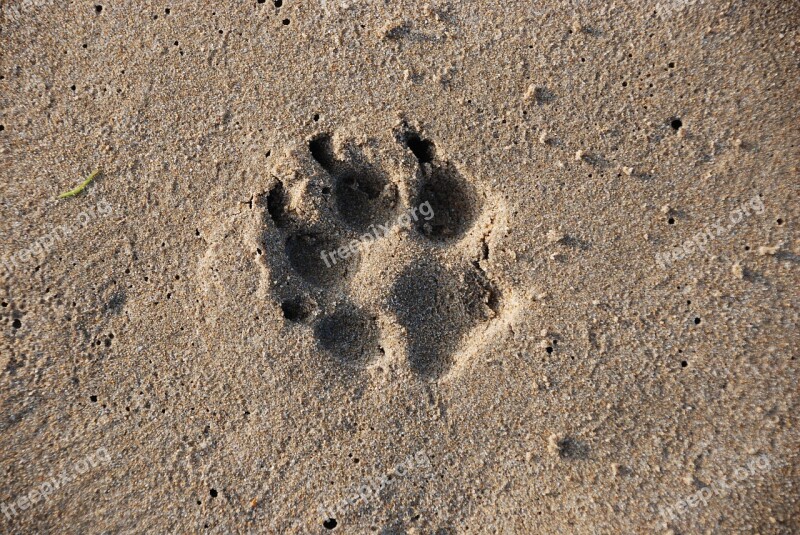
297 309
423 149
330 523
676 124
322 150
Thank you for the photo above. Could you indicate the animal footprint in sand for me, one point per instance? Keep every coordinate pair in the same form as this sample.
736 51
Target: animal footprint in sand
371 263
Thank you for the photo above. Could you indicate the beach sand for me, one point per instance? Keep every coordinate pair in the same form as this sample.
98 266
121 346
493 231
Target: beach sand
358 266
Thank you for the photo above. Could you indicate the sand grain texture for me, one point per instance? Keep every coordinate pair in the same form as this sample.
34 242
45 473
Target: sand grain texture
572 308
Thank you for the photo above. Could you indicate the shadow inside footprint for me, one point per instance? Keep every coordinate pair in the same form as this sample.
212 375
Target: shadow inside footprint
364 198
310 256
438 307
276 205
453 201
363 194
350 335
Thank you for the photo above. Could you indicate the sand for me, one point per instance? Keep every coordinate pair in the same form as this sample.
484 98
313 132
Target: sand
357 266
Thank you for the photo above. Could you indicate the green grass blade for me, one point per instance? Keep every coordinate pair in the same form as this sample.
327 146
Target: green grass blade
81 187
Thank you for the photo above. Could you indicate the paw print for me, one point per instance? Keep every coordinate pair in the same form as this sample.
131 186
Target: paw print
380 252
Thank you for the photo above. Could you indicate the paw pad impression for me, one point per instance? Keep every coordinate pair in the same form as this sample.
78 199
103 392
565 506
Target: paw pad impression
339 265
